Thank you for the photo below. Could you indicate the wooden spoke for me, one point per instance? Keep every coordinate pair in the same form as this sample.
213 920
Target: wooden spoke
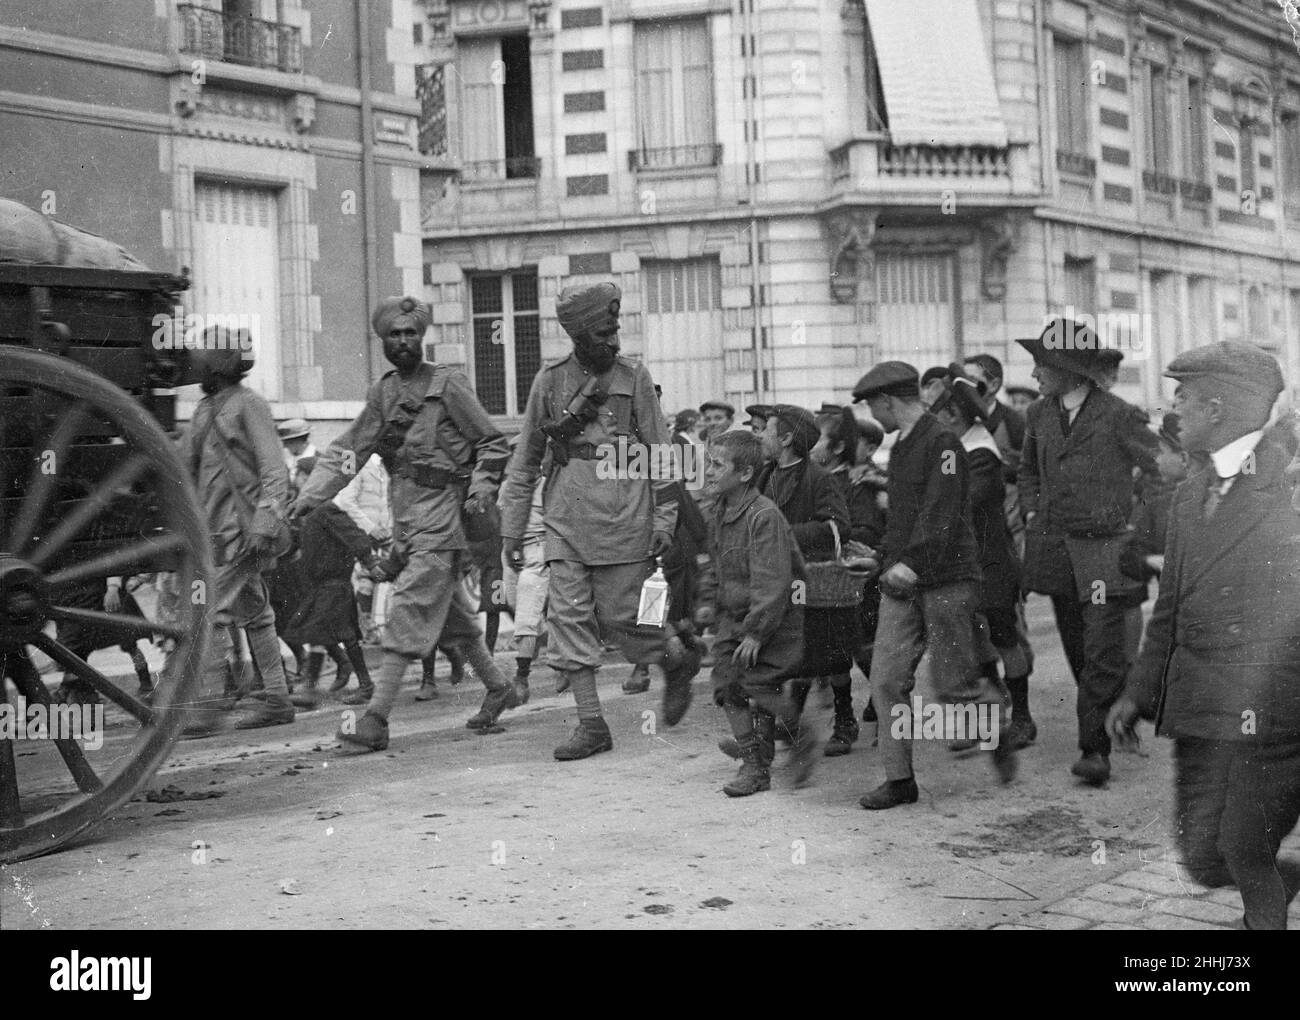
127 626
40 487
11 808
29 683
131 559
125 475
70 661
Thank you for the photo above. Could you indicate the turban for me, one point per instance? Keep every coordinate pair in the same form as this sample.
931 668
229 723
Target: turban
583 309
393 311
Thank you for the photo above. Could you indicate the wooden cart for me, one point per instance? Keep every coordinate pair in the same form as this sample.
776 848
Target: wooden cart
90 487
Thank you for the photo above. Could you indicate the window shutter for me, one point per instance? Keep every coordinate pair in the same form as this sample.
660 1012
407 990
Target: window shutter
482 128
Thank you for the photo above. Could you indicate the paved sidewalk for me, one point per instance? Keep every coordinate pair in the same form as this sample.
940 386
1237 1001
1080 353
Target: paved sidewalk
1158 896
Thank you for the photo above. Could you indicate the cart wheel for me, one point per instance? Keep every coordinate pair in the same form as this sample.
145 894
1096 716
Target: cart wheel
90 487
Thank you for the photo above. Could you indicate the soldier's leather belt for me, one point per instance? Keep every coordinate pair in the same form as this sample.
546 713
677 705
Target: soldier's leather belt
428 477
585 451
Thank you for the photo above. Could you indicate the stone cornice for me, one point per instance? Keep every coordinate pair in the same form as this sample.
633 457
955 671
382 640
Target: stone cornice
85 50
84 113
1213 243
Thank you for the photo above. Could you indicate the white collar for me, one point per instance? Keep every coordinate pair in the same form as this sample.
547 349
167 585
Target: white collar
1229 459
977 437
1073 400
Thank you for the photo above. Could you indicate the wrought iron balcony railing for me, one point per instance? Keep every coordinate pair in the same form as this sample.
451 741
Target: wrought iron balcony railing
676 157
1158 183
1073 163
238 39
509 169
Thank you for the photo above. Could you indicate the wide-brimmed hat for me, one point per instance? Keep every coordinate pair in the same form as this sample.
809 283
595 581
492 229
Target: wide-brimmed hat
1070 345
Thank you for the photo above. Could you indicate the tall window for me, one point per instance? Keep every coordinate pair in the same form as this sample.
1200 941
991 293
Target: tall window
1291 157
507 339
1080 285
1158 134
1071 96
1202 313
1246 152
496 107
674 94
1194 131
1257 324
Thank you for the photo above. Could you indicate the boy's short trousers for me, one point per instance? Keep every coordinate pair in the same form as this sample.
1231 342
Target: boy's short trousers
778 660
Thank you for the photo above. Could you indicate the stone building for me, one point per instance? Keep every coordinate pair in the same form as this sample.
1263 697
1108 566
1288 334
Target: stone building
790 190
268 145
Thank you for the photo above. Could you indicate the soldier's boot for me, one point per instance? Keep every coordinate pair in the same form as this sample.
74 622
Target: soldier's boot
307 696
590 737
342 671
501 693
1023 731
754 775
371 733
273 710
365 686
428 682
144 679
846 731
210 712
682 657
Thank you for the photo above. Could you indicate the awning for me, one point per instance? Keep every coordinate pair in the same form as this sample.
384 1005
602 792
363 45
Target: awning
934 66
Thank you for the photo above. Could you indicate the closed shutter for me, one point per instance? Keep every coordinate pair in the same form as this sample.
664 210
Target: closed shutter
482 128
683 330
237 271
916 302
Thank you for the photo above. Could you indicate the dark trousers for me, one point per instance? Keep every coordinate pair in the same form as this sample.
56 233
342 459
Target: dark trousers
1236 801
1093 636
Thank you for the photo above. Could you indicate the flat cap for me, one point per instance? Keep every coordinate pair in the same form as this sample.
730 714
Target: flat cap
896 378
1240 365
391 310
763 411
718 405
801 422
585 308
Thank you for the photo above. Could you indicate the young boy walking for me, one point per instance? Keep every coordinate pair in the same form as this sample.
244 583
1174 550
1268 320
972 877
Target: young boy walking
747 593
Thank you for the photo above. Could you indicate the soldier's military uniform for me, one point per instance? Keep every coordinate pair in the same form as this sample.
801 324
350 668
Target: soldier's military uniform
599 527
427 428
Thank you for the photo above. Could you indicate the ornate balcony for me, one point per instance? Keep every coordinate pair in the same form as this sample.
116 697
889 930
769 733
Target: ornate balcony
1076 164
676 157
1158 183
237 39
874 165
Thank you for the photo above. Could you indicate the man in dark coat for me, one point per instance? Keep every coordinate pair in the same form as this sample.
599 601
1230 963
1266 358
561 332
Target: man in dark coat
930 583
1219 670
1076 490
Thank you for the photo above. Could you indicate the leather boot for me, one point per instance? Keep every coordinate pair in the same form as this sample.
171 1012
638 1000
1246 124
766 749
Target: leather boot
846 729
804 747
754 776
342 677
639 681
428 685
764 731
371 733
494 703
891 794
590 737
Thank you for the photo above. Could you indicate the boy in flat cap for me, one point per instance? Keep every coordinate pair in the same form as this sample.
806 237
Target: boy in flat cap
602 533
930 583
444 457
1219 670
1076 492
717 417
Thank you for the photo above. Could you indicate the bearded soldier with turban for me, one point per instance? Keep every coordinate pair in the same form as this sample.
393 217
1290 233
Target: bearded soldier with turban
602 528
445 458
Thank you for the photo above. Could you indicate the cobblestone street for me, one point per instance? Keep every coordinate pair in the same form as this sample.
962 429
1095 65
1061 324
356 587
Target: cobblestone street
447 828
